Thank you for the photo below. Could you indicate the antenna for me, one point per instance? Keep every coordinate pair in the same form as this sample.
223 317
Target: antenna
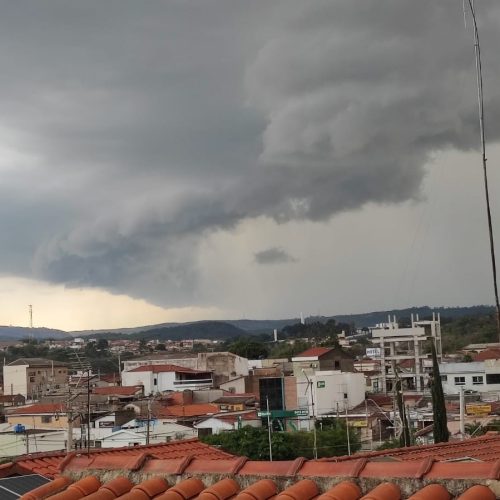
30 311
480 99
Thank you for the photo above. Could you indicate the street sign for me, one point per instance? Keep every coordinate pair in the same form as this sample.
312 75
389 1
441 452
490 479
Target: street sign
263 413
320 384
301 412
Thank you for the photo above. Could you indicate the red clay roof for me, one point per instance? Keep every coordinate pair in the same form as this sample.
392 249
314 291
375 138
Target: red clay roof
192 410
39 408
125 390
490 353
314 352
485 448
165 368
291 480
48 464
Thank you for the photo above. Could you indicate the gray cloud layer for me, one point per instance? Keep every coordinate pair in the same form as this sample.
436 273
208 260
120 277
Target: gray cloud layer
273 255
139 129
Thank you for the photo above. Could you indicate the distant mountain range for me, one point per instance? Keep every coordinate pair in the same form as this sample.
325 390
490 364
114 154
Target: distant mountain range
20 332
226 329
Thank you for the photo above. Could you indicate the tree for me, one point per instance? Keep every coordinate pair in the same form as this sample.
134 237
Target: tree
405 438
441 433
102 345
160 347
248 348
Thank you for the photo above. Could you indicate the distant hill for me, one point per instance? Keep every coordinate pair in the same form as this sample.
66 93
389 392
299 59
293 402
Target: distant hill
214 330
20 332
225 329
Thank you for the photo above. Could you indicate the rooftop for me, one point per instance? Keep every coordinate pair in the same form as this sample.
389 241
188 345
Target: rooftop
191 410
48 464
165 368
39 408
314 352
240 479
36 362
125 390
490 353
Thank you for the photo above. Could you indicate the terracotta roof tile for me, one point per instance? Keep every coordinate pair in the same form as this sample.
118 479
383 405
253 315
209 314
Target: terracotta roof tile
48 464
485 448
379 485
314 352
39 408
191 410
491 353
125 390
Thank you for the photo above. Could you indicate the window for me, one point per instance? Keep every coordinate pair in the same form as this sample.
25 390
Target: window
155 381
46 419
32 379
337 365
493 378
444 378
459 380
477 380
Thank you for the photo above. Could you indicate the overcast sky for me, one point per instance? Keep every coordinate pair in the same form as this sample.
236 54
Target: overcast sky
180 160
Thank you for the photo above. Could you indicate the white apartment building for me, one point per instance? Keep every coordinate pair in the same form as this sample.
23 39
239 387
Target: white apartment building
409 347
224 366
160 378
480 376
329 392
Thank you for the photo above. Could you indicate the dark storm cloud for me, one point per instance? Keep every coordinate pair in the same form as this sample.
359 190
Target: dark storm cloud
147 126
273 255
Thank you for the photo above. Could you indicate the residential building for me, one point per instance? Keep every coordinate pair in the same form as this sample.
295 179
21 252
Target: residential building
331 392
34 377
479 376
322 359
408 346
157 378
224 422
40 416
223 365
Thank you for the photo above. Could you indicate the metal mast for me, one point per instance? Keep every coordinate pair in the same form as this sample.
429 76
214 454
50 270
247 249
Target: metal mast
480 98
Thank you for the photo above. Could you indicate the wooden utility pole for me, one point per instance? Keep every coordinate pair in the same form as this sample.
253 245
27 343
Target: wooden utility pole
149 421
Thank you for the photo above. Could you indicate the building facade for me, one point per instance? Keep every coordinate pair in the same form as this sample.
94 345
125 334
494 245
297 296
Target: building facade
34 377
406 347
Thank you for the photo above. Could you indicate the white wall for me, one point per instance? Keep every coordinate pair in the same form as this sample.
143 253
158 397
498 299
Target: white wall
139 378
14 380
337 385
466 371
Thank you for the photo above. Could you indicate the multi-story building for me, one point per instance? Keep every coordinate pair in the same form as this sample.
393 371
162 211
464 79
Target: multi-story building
321 359
34 377
223 365
408 347
159 378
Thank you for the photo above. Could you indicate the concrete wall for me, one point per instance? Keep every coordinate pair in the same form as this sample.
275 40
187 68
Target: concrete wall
37 421
330 388
14 380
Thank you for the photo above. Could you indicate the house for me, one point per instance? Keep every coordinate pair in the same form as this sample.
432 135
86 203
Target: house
235 402
224 422
158 378
9 400
224 366
120 393
322 359
40 416
34 377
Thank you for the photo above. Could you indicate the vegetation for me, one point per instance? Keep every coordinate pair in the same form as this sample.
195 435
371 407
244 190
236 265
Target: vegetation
460 332
253 443
441 433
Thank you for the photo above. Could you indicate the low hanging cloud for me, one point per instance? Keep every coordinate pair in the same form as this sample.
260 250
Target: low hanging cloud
140 140
273 255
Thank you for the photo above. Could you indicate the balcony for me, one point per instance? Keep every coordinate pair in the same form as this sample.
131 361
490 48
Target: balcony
193 383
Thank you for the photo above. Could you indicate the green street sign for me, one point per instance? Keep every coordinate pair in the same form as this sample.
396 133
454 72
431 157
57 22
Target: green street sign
263 413
320 384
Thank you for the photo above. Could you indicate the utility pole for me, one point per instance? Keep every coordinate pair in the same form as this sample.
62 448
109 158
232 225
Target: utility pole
347 431
149 421
88 411
269 431
315 438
